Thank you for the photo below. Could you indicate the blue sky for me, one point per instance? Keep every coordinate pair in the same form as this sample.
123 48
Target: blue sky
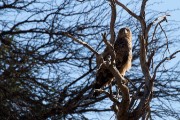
175 15
169 5
166 5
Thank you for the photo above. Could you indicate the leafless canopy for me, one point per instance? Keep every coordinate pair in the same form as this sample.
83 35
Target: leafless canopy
50 50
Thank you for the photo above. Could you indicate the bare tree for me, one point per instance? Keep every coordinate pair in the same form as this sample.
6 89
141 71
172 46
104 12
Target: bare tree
48 54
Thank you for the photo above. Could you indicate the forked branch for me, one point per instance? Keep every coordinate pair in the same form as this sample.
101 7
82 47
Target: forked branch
162 61
113 20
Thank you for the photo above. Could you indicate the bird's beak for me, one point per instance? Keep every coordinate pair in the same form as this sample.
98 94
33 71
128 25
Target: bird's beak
125 31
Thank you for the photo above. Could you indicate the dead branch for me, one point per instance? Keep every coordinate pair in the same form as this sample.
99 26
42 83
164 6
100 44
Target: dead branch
128 10
99 57
162 61
159 19
167 48
139 18
112 23
150 58
143 61
82 43
124 104
131 106
124 89
162 19
142 11
111 97
148 84
109 48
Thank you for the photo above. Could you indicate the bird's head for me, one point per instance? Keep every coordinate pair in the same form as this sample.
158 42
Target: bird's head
124 32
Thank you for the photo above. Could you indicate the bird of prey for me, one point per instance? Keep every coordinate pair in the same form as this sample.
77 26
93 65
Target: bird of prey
123 50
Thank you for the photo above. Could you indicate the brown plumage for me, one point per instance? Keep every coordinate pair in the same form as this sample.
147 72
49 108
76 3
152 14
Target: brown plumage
123 50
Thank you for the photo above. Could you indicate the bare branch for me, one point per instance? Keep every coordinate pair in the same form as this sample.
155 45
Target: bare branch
139 18
124 89
145 69
143 61
167 48
109 45
113 19
112 98
109 49
128 10
143 5
150 58
167 58
82 43
161 18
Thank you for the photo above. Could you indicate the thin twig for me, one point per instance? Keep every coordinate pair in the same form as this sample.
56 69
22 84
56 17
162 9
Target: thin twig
133 85
159 22
161 18
110 49
82 43
150 58
109 45
112 98
128 10
167 48
162 61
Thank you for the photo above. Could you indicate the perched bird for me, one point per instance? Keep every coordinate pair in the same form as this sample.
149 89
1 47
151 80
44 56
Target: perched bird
123 50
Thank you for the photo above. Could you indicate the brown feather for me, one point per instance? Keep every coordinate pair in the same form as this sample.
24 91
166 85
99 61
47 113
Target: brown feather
123 50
